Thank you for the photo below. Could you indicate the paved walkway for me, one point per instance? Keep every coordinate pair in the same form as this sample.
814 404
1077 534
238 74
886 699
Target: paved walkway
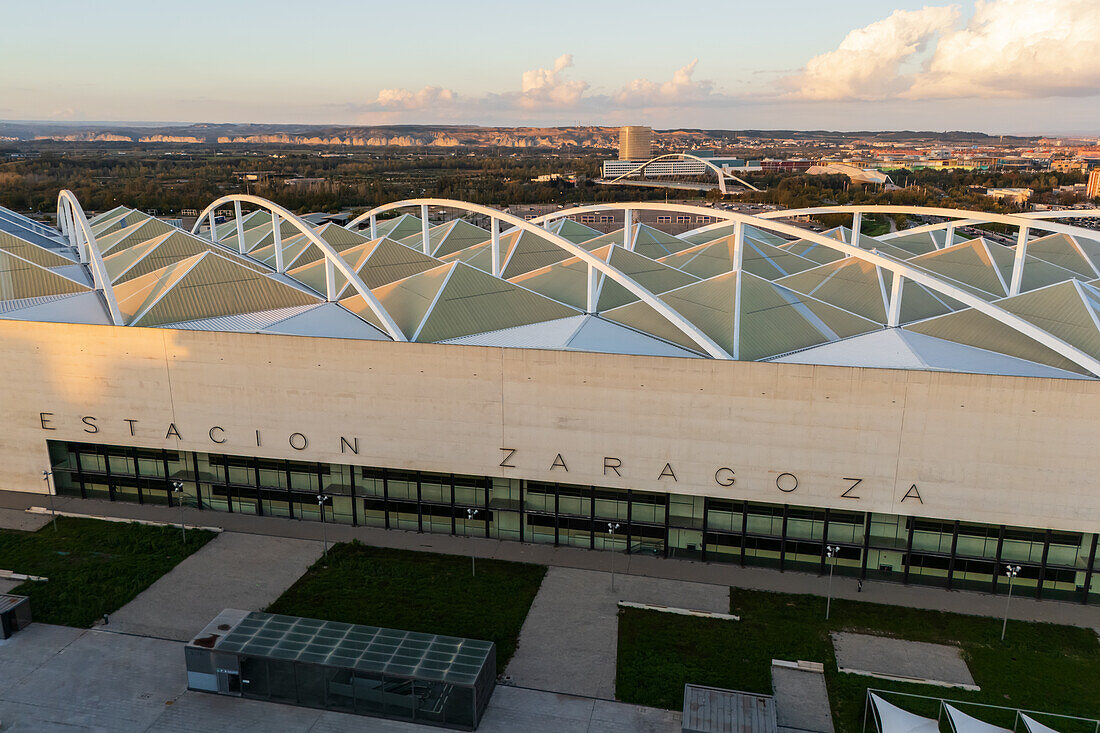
233 570
569 641
880 655
54 678
22 521
801 700
914 596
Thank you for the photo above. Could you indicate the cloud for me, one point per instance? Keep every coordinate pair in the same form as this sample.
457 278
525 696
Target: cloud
547 87
1008 48
681 88
427 98
1017 48
866 64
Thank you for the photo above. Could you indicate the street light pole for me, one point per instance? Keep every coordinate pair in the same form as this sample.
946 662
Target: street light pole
177 489
321 499
611 527
50 491
1011 571
470 514
830 552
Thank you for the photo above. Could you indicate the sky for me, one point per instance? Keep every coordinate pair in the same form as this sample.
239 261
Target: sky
998 66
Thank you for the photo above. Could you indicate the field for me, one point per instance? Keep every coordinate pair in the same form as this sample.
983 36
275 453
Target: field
1038 666
418 591
93 567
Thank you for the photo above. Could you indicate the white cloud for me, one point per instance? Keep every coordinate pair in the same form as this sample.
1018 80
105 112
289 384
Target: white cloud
681 88
547 87
428 97
1008 48
867 63
1017 48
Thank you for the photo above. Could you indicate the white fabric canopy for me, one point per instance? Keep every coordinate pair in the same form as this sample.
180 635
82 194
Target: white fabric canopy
893 719
1034 726
963 723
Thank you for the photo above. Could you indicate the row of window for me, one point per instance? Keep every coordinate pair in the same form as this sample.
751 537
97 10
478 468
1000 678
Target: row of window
938 552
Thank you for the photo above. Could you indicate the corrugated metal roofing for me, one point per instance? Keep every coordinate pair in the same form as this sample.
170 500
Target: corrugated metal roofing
789 296
898 348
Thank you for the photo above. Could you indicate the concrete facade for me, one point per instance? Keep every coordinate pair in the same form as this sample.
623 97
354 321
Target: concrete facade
1018 451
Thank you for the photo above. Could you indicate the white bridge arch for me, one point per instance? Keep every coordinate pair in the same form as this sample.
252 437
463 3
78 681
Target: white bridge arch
901 269
333 260
74 224
594 263
723 176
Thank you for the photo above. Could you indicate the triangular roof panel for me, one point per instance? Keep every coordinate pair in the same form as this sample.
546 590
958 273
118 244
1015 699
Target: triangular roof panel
202 286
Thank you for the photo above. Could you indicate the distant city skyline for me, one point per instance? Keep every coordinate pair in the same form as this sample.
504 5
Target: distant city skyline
997 66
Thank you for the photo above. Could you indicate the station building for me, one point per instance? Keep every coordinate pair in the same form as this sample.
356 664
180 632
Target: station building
926 440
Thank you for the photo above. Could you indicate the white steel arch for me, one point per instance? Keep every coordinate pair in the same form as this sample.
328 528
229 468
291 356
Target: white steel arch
899 268
594 263
333 260
74 224
722 175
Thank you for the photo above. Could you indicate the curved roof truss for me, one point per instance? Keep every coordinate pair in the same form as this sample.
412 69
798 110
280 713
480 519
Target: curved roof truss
722 175
594 263
333 261
74 224
900 268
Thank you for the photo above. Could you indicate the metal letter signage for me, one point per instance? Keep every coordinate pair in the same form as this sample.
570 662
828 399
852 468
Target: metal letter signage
607 463
559 462
912 493
779 482
724 476
848 491
508 453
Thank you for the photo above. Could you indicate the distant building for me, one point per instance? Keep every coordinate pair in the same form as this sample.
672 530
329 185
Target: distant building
854 173
635 143
1092 188
1065 165
1014 195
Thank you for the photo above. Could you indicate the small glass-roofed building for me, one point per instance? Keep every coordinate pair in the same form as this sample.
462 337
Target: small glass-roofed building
385 673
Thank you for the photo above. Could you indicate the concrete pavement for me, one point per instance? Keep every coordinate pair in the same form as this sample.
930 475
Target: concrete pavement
233 570
54 678
896 594
569 641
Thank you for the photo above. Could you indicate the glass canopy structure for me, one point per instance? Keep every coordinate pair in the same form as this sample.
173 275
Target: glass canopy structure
387 673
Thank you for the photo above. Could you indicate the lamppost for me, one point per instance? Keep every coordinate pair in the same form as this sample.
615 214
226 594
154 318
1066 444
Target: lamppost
611 527
49 490
470 514
830 552
321 499
177 489
1011 571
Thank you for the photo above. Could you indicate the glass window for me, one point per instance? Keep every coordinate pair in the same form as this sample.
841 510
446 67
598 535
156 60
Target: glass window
647 507
469 491
724 515
92 461
504 494
539 497
685 511
121 465
574 500
611 504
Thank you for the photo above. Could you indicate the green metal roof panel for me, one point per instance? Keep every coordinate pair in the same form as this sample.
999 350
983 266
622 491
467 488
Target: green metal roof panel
472 301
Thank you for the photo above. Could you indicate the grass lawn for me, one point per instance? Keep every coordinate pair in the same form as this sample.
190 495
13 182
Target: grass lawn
417 591
874 225
94 567
1039 666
